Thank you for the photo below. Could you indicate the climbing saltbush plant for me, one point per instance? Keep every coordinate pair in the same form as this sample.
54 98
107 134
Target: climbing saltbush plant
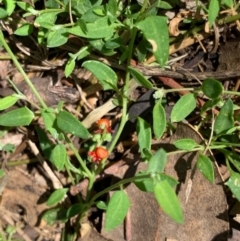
123 30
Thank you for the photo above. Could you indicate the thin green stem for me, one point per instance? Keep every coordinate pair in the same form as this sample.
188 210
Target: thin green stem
177 90
23 97
124 96
19 67
144 6
192 89
82 163
201 148
116 185
234 164
231 92
225 144
211 134
51 11
70 175
60 3
90 186
22 162
228 19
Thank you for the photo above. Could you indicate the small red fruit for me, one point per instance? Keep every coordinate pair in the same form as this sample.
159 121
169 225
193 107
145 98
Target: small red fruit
101 152
104 124
93 156
98 154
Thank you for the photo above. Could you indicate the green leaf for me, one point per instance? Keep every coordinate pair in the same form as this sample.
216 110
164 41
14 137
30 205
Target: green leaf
99 11
7 102
59 156
70 124
10 6
210 104
171 181
112 8
234 184
158 161
72 167
24 30
185 144
212 88
103 73
144 135
147 153
164 5
69 67
141 50
46 20
53 4
45 144
24 5
140 78
145 184
80 6
159 120
84 51
184 106
228 3
19 117
233 158
224 121
168 201
48 118
116 210
57 196
57 38
213 10
53 215
101 205
9 148
75 209
155 30
205 165
97 44
3 13
101 28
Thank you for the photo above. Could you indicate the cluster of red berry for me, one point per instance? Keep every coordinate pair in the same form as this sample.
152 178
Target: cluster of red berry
100 153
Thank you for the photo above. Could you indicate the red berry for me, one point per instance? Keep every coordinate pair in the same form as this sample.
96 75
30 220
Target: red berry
98 154
101 153
104 124
93 155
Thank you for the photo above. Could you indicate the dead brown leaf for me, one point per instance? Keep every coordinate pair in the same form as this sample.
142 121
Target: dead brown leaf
173 26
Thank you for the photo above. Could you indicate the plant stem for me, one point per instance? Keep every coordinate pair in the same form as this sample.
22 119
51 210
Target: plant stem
144 6
60 3
19 67
125 91
116 185
224 144
201 148
70 175
51 11
177 90
228 19
231 92
83 165
211 134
